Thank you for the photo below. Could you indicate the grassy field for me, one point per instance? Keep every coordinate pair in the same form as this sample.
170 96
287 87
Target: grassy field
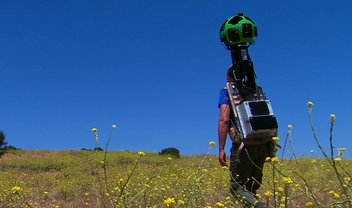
137 179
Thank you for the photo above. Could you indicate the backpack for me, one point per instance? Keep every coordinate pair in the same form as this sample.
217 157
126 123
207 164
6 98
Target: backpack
253 119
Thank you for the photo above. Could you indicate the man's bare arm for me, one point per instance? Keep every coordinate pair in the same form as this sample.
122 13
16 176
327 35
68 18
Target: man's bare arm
223 129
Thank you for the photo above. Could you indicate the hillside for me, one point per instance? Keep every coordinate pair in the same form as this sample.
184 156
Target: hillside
131 179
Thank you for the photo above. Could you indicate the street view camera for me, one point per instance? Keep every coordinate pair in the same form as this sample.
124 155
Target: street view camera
254 116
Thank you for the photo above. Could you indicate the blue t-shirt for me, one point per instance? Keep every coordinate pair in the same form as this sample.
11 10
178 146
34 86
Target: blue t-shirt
224 98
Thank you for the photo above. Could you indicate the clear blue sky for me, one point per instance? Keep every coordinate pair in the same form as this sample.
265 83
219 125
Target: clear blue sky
155 69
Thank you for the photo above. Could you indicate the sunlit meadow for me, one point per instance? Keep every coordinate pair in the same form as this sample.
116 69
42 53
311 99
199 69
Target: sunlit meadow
110 179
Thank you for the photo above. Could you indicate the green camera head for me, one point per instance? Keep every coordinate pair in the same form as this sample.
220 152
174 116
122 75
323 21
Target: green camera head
238 30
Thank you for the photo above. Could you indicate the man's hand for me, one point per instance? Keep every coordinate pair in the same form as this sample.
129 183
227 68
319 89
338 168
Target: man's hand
222 158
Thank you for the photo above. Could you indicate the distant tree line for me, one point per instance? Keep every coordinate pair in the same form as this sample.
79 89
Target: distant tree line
170 151
95 149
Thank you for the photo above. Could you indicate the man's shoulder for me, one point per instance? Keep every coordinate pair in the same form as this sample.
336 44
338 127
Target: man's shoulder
224 97
223 92
223 89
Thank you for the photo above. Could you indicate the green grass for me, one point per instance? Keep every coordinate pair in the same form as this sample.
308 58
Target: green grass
77 179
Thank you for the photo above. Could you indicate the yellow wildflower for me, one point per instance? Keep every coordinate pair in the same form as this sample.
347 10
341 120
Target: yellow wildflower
332 118
274 159
169 201
338 159
95 132
267 159
276 138
212 144
268 193
334 194
141 154
180 202
310 104
287 180
309 204
16 189
219 204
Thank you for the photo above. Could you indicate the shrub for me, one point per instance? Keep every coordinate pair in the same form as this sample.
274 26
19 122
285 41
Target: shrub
98 149
171 151
10 147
